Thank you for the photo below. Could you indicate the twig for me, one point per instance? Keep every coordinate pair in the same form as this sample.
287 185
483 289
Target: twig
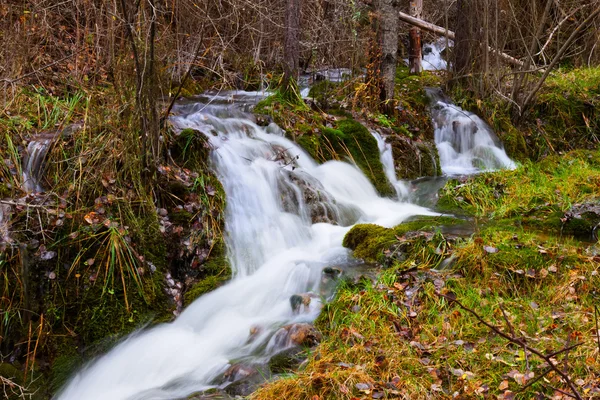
11 81
596 313
533 381
521 343
512 332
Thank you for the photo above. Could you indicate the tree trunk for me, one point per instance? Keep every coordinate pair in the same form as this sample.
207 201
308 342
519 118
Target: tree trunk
414 38
463 48
388 40
291 47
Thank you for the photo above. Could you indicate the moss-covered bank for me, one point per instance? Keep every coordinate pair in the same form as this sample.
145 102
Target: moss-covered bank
557 194
402 338
103 251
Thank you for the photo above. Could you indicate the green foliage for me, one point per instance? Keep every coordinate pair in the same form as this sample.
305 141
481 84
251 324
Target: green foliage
401 337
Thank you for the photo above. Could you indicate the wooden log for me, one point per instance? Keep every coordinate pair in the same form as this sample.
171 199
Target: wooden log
428 26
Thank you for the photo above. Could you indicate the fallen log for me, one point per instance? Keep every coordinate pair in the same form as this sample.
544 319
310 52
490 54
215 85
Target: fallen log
428 26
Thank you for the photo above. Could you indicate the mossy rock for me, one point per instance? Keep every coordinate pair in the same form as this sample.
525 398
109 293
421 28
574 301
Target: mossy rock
287 360
349 141
514 142
191 149
353 138
414 159
369 241
214 273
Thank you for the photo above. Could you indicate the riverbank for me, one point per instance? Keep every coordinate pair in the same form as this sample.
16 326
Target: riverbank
101 251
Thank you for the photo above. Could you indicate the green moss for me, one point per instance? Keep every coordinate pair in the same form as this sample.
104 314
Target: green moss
204 286
11 372
368 241
326 93
190 149
353 140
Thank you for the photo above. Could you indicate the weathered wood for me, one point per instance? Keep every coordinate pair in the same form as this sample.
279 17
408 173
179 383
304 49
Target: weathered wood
414 39
428 26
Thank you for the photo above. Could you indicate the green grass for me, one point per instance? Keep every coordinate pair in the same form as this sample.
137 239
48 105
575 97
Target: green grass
533 189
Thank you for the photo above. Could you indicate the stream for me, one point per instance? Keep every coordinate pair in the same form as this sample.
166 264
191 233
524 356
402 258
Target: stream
276 246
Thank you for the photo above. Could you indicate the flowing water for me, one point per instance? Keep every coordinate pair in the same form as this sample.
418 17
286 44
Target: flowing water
33 162
387 160
286 217
433 55
466 144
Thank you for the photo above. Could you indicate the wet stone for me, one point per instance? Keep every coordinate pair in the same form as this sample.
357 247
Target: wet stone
301 334
300 302
286 360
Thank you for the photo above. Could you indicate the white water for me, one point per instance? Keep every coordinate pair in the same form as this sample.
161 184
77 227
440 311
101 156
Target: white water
33 163
466 144
275 249
432 55
387 160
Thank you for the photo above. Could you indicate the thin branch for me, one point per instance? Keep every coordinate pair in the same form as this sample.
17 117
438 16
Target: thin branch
521 343
596 313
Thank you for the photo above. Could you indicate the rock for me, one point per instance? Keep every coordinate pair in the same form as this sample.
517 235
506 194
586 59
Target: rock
298 301
286 360
332 272
238 371
244 379
414 159
582 219
301 334
263 120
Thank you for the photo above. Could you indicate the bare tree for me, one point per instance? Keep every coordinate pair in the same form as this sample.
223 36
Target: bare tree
388 39
291 44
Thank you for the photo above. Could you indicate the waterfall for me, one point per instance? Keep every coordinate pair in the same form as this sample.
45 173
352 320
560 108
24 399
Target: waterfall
466 144
279 238
433 59
33 162
387 160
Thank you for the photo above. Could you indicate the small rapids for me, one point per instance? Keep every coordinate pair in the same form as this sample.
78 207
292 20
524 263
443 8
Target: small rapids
466 144
286 217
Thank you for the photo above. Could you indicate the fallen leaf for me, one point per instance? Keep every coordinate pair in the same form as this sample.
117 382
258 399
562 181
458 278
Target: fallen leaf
490 249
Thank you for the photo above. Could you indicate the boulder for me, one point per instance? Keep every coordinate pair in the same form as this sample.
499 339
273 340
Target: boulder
582 219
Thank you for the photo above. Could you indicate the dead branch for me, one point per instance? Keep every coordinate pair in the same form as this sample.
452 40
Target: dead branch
522 343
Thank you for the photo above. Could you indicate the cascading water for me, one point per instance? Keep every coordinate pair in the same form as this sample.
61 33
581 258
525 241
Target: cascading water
277 248
465 143
433 59
33 162
387 160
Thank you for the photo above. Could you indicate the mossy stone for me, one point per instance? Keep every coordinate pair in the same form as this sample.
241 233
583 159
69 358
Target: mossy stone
368 241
